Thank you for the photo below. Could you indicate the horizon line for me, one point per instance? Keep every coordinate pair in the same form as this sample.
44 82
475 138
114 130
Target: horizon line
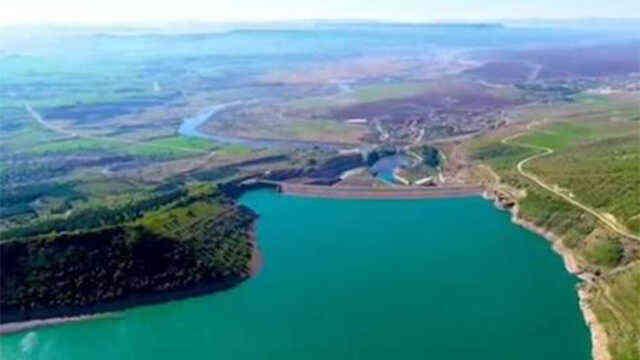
345 20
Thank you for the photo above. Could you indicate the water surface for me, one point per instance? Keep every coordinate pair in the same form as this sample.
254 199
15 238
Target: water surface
357 279
384 168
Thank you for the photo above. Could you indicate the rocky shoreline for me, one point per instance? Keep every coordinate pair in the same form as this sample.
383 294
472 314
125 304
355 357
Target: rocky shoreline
599 340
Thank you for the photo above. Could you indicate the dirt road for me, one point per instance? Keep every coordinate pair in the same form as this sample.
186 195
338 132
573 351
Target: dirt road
509 140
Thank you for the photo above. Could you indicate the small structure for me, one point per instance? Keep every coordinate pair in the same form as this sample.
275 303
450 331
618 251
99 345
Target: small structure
361 121
349 151
399 178
425 181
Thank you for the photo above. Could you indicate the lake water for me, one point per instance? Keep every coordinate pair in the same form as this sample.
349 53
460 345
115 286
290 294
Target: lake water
357 279
385 167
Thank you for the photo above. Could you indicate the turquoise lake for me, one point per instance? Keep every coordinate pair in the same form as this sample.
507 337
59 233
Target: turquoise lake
357 279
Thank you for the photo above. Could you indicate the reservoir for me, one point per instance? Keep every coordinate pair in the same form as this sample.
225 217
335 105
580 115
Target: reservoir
357 279
385 167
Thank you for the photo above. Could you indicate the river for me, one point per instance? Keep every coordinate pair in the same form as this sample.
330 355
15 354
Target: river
357 279
190 127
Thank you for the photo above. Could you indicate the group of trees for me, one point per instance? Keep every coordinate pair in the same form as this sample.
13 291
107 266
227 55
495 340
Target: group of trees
126 261
431 156
94 214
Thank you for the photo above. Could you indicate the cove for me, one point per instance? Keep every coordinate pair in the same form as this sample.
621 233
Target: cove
385 167
357 279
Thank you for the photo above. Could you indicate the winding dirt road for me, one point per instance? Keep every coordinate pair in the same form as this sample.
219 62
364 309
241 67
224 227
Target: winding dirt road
546 152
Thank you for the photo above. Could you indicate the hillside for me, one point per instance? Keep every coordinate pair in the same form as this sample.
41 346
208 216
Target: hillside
169 243
574 170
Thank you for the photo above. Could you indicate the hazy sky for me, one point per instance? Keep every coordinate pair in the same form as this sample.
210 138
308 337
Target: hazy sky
119 11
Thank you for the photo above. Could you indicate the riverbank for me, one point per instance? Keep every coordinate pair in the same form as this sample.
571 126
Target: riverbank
599 340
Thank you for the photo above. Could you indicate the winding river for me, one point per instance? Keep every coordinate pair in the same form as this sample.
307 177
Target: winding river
190 127
357 279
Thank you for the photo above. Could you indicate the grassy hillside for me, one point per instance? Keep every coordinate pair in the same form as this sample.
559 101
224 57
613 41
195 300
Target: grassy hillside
610 165
615 302
594 159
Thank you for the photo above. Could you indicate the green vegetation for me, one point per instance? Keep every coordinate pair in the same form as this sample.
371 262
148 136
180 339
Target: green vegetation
101 186
18 203
561 135
72 146
122 247
177 220
499 156
95 212
602 174
27 136
603 250
615 302
162 148
183 142
234 151
171 147
431 156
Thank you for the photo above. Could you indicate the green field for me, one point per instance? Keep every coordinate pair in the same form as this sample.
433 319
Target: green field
174 222
161 148
561 135
73 146
234 150
26 137
182 142
170 147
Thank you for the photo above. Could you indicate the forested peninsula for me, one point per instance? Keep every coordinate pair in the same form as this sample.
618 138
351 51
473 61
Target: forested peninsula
175 241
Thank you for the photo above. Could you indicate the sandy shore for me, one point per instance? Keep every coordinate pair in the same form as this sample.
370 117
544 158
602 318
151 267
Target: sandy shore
599 340
20 326
256 262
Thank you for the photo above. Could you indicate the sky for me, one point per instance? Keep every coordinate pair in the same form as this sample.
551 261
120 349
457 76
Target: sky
105 12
